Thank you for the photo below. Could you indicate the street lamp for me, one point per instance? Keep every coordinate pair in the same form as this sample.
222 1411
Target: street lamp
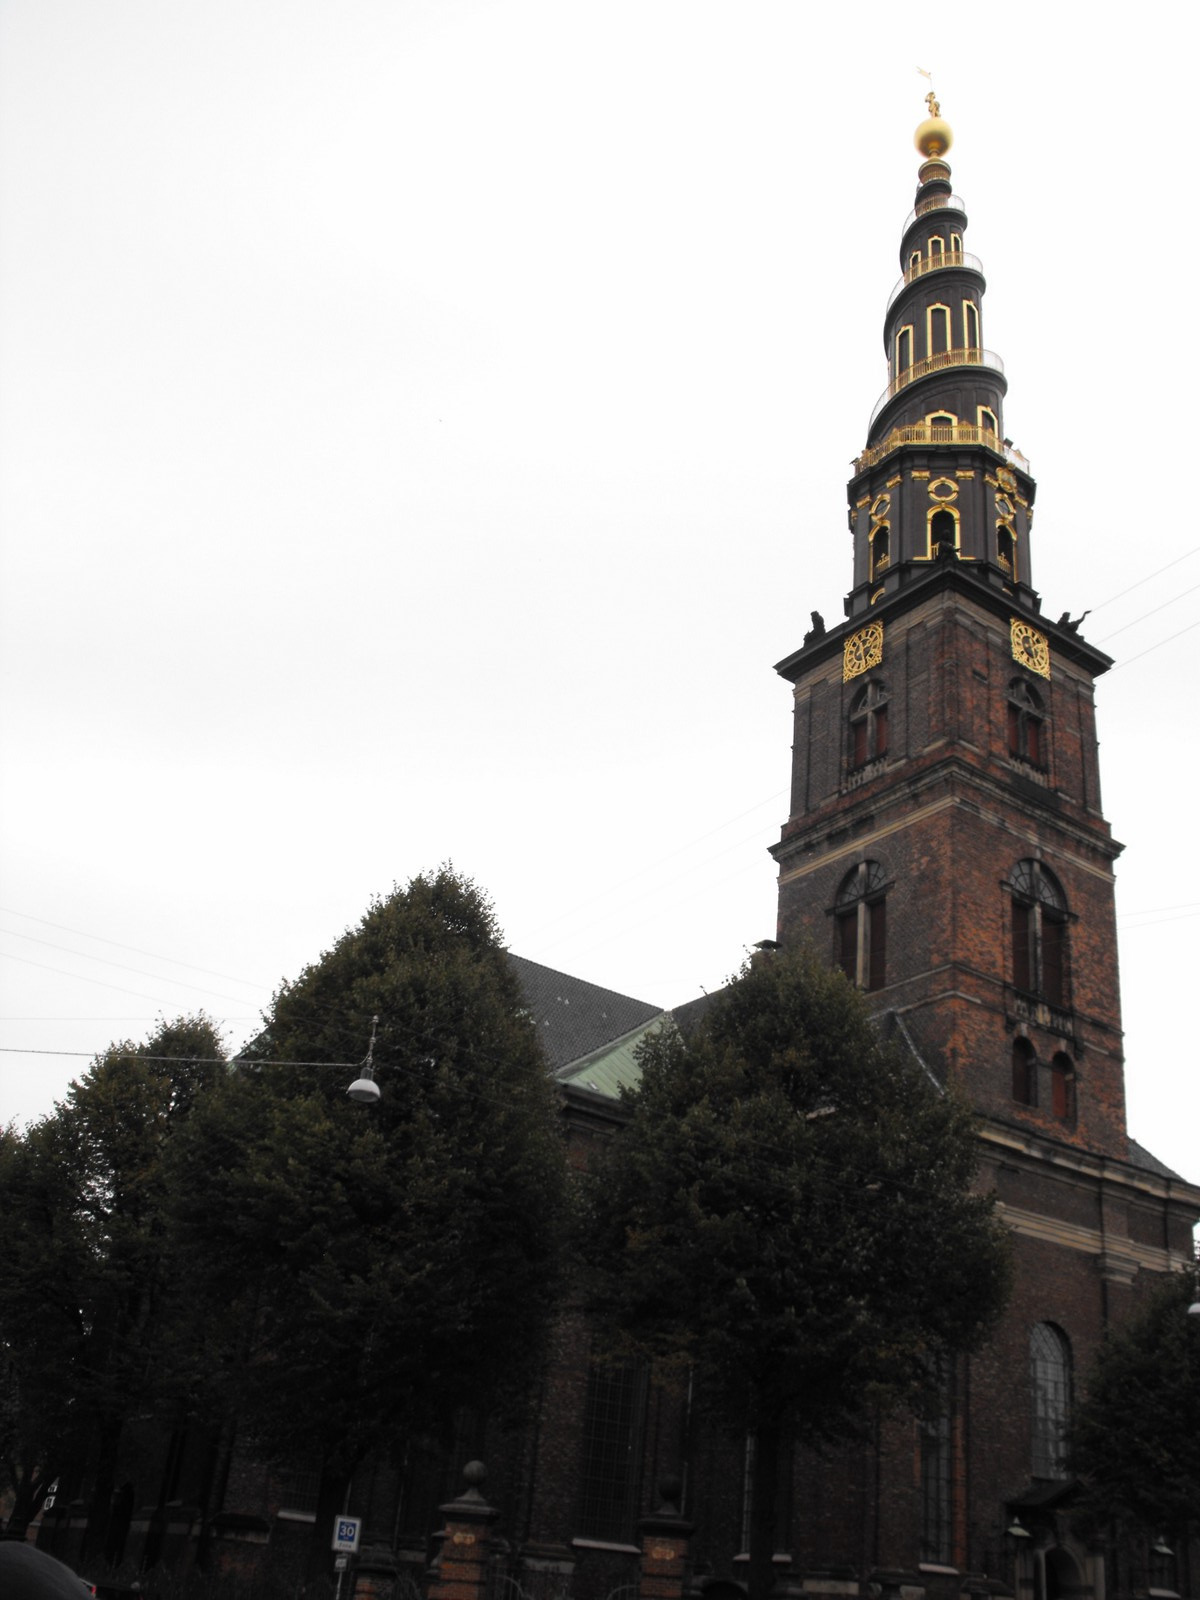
364 1089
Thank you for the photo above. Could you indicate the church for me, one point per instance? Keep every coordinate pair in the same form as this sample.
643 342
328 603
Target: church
947 848
946 845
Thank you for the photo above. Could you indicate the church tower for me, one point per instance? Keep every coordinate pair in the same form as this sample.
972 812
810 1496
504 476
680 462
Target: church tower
946 847
946 843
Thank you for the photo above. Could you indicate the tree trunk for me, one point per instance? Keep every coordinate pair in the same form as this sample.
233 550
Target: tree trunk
764 1496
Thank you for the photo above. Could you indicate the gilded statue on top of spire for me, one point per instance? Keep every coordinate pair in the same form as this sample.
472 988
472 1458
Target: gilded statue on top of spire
933 138
935 109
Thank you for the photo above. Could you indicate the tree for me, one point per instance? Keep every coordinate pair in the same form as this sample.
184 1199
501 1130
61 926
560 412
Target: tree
790 1212
86 1295
1135 1436
373 1269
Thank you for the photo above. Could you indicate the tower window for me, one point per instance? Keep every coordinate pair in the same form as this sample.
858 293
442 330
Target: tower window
1062 1087
1039 933
987 420
937 330
943 534
1006 549
970 325
880 549
937 246
1026 719
861 925
1050 1382
956 244
1024 1073
868 725
904 349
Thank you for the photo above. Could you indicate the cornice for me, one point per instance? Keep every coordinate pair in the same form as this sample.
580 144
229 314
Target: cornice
919 588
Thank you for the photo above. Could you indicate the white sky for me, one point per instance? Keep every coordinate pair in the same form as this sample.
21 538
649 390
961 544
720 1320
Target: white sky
422 426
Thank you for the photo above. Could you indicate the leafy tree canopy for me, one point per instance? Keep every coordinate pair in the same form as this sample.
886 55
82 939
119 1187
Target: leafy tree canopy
390 1262
86 1294
1135 1436
790 1210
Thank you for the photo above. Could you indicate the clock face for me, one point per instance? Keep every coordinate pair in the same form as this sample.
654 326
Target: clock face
863 650
1030 647
1004 508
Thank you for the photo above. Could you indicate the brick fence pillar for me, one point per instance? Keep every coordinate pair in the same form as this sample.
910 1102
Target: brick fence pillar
460 1571
666 1547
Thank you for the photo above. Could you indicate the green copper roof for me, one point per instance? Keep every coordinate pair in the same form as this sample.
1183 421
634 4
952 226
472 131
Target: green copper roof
614 1066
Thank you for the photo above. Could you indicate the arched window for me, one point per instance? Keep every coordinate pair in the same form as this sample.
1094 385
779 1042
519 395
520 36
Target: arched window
1026 724
956 244
1050 1386
987 420
861 925
1039 933
1062 1087
937 330
868 724
937 246
970 324
1024 1073
937 1460
904 349
943 533
880 549
1006 548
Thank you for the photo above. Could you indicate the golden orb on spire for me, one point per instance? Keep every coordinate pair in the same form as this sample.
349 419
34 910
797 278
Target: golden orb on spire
933 138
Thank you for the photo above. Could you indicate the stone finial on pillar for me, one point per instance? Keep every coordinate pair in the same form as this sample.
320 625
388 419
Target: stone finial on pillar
666 1546
460 1572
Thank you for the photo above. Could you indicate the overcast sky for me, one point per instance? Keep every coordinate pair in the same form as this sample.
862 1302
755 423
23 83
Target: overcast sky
423 426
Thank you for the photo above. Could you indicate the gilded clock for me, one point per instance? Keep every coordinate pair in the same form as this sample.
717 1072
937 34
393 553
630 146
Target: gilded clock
1030 647
862 651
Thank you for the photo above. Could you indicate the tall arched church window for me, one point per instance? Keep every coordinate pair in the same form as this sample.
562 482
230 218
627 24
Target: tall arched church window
1026 724
1024 1073
868 724
937 1469
1050 1384
970 325
904 349
611 1450
860 921
937 330
1062 1087
1039 933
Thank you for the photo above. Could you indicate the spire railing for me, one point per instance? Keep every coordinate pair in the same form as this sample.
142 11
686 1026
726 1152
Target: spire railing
934 202
926 264
970 356
939 433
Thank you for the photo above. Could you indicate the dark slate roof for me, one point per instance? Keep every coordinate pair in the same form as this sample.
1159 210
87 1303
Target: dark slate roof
1139 1157
575 1018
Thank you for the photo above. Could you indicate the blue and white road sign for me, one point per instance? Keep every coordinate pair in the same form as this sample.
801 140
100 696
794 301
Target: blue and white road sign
346 1531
